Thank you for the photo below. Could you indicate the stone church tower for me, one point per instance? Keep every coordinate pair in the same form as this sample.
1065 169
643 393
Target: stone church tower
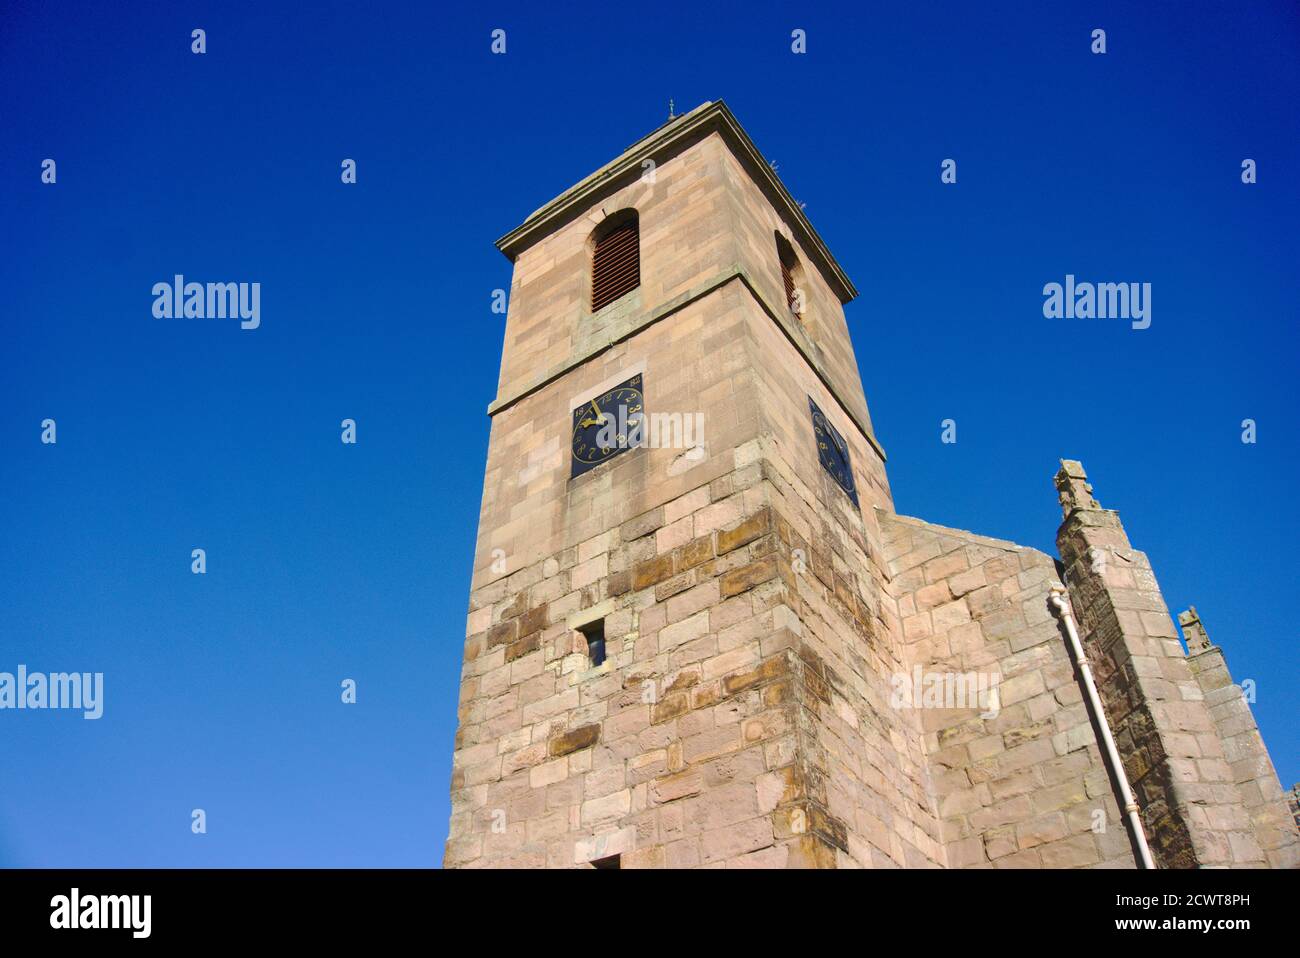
699 635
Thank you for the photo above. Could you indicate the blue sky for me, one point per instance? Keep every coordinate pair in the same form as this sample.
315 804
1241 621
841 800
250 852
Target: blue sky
328 561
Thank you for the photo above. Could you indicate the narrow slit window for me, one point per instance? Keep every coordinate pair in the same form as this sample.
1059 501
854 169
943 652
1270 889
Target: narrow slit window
615 260
594 633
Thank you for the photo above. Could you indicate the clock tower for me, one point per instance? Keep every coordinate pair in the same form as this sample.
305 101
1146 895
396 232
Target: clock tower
676 642
700 636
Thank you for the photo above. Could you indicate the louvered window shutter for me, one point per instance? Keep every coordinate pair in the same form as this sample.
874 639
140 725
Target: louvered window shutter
789 284
616 265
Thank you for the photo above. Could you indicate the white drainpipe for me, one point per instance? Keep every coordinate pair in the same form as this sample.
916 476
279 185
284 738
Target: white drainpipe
1060 606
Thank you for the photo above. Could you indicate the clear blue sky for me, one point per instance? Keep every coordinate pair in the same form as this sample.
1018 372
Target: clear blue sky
328 561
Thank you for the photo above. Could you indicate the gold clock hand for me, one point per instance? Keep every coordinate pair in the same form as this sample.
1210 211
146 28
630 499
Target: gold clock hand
592 422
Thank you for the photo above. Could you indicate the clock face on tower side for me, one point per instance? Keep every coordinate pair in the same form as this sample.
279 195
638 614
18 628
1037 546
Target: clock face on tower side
833 452
606 425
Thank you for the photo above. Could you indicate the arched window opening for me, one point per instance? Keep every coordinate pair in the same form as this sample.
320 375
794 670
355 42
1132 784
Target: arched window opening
615 259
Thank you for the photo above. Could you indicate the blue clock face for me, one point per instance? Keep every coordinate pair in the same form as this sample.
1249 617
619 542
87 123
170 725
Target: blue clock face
607 425
833 452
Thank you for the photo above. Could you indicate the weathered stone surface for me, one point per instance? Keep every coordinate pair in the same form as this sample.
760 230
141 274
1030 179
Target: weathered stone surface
578 738
534 620
503 633
746 532
770 669
652 572
529 643
747 577
671 707
674 787
642 525
693 553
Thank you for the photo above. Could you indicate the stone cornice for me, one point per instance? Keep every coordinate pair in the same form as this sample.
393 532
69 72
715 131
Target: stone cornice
676 133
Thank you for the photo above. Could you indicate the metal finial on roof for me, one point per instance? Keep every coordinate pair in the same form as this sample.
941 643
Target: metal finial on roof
671 114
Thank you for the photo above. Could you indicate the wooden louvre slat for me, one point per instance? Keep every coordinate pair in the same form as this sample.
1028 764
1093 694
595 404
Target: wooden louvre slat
789 285
616 276
616 266
609 267
624 251
606 268
620 234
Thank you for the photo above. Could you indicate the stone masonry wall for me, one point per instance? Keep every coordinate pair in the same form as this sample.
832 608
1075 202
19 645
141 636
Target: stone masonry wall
686 747
865 759
556 761
740 718
683 243
1243 746
1173 756
1020 782
862 761
531 509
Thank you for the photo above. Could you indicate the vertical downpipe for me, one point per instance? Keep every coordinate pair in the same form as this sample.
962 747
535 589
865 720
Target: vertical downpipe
1060 606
